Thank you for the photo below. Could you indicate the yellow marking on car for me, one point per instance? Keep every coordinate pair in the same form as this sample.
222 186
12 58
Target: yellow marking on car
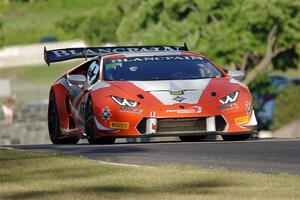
119 125
176 92
241 120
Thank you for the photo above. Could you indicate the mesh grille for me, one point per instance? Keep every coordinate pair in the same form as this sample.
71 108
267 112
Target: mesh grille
165 125
181 124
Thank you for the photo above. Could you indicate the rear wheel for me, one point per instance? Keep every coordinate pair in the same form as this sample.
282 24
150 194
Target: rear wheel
235 137
89 127
195 138
53 124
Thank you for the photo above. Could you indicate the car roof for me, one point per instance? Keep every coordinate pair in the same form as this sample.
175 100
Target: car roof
150 53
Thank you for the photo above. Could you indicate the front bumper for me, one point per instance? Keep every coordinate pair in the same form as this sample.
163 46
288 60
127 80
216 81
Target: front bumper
160 126
177 126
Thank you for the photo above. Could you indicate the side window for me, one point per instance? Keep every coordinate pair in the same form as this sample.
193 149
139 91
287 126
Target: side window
93 72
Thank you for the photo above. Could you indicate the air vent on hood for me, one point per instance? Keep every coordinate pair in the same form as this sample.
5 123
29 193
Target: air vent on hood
140 96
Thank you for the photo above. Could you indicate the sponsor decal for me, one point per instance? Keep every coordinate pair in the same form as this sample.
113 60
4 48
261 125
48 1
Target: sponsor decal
133 69
176 93
192 110
106 114
112 66
131 109
93 72
248 108
119 125
179 99
152 114
228 106
153 58
241 120
100 50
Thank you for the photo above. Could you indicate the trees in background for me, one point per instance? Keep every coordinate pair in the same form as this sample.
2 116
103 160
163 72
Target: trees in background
97 26
250 35
237 34
1 36
287 106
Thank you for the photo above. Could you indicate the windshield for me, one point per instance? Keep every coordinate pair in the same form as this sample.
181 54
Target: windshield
159 68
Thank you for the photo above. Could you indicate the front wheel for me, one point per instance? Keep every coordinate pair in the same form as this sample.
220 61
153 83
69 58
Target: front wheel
53 124
235 137
90 124
196 138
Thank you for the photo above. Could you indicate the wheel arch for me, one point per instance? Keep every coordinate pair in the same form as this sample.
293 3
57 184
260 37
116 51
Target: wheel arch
60 94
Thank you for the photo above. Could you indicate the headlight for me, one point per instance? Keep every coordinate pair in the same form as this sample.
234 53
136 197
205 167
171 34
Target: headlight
125 102
230 98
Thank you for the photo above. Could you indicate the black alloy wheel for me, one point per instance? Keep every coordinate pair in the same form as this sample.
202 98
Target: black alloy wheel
89 127
53 124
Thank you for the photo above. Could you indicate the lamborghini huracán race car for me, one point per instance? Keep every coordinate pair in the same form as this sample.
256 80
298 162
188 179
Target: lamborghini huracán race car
143 91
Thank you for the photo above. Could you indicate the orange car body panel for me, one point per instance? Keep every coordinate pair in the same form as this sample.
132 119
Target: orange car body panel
123 123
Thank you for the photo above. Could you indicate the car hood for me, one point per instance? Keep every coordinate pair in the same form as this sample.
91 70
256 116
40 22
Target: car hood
169 92
172 85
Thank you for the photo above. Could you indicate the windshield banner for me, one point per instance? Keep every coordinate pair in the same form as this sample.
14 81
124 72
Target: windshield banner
153 58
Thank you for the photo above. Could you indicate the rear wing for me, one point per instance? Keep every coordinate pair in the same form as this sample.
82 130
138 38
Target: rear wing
57 55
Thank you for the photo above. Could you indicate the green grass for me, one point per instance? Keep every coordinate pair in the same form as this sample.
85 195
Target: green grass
42 74
26 175
25 23
33 83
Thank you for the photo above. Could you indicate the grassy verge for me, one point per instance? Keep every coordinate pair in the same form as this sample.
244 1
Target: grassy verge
24 22
41 74
33 83
25 175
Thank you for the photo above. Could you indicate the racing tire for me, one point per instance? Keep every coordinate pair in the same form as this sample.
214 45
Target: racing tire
196 138
235 137
90 124
53 124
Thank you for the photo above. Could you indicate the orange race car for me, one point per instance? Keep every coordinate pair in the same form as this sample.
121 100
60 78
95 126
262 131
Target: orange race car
142 91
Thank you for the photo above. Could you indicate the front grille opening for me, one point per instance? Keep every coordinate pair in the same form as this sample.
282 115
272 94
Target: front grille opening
181 124
141 127
169 125
220 123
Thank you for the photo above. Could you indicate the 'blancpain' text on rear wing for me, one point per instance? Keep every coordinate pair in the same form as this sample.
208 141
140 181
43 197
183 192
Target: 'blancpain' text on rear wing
58 55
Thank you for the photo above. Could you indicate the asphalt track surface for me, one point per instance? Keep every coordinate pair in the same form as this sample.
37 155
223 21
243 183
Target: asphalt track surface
268 156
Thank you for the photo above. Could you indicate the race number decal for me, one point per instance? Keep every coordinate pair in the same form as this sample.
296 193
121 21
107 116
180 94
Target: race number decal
93 72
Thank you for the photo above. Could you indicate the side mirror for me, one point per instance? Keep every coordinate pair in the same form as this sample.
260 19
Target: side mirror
237 74
77 79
